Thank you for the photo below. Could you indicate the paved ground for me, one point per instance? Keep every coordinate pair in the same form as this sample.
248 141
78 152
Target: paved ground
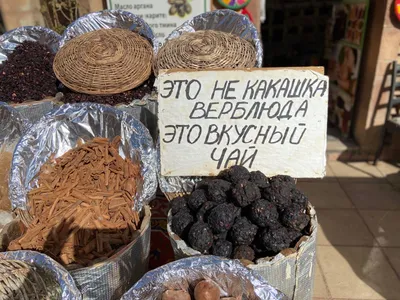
358 207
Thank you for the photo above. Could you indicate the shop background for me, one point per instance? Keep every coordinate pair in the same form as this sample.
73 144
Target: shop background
294 33
344 53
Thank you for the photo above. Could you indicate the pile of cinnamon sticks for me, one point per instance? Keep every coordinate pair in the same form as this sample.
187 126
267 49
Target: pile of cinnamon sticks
83 207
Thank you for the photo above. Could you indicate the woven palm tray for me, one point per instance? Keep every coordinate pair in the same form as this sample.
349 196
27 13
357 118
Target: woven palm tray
206 49
22 281
105 61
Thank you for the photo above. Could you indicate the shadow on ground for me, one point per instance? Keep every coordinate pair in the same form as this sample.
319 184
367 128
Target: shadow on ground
366 253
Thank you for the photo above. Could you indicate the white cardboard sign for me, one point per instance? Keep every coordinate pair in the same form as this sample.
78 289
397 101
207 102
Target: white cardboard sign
161 15
274 121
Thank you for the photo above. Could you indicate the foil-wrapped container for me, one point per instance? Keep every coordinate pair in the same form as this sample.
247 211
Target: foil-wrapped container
109 19
225 20
13 125
58 132
13 38
31 110
69 291
144 109
232 277
174 186
110 279
291 271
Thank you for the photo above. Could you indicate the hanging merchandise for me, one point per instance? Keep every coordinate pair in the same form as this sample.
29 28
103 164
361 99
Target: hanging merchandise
397 9
344 51
234 4
237 5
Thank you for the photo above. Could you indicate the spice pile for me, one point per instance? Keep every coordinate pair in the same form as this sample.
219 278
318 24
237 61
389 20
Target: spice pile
122 98
27 74
242 215
204 290
82 208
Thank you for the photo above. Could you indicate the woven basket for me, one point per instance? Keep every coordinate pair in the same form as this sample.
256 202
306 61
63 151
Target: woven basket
206 49
19 280
106 61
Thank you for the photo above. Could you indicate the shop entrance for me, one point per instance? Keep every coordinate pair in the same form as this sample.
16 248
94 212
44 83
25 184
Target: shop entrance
325 33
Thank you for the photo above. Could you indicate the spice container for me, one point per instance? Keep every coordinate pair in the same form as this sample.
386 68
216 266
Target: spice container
54 137
26 78
139 102
267 223
82 208
32 275
199 277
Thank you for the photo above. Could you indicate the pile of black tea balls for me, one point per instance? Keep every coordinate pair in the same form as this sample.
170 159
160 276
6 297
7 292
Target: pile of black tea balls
242 215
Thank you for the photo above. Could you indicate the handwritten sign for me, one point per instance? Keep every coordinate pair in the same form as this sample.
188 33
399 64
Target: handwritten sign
274 121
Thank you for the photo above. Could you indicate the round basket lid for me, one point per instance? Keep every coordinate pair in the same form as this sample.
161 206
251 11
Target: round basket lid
106 61
18 278
206 49
234 4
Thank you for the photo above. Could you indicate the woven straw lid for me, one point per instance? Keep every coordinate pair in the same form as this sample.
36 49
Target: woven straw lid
19 280
106 61
206 49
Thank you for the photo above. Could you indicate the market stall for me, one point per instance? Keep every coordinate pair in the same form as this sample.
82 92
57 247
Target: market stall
229 142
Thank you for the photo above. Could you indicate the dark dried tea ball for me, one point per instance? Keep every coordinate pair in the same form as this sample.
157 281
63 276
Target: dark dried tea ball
264 213
235 174
205 210
279 194
245 193
181 223
217 190
299 198
222 217
178 204
243 232
259 179
222 248
197 199
200 237
275 240
295 217
284 180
